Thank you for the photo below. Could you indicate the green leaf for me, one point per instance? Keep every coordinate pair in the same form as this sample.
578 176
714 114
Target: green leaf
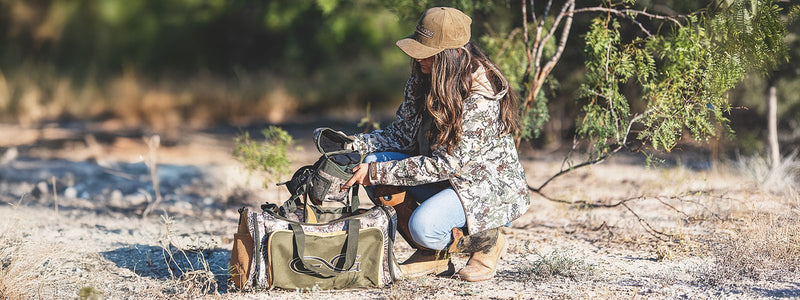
327 6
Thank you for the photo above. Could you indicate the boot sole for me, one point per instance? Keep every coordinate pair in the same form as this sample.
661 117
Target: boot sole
503 252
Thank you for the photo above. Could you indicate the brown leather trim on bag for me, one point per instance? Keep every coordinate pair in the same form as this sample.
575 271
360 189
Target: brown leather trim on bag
390 195
241 256
403 204
242 253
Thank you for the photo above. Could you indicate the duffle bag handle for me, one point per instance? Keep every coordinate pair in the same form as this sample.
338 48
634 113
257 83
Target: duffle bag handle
351 249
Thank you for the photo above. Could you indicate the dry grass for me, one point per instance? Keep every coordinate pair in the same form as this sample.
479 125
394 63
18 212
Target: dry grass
24 264
19 278
764 248
783 179
193 279
197 283
538 266
34 94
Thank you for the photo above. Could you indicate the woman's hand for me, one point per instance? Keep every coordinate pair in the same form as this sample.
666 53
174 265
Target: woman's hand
360 176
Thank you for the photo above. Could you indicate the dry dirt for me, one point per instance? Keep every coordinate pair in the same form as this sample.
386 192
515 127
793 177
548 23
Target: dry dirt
659 244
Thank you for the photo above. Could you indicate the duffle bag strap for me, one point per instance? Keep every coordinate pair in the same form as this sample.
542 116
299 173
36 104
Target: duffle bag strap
354 201
351 249
351 207
291 205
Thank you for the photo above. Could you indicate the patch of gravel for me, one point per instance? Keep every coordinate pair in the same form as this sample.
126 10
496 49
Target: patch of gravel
97 244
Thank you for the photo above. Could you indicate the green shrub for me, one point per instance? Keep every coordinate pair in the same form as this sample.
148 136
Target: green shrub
269 156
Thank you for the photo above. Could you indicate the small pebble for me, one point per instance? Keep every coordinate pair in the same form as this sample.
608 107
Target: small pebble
116 199
70 193
135 199
183 205
43 187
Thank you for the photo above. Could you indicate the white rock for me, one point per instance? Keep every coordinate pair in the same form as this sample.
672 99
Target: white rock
116 199
183 206
10 155
116 195
135 199
70 193
43 188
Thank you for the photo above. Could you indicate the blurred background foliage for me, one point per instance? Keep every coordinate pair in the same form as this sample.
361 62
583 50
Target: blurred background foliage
205 61
197 63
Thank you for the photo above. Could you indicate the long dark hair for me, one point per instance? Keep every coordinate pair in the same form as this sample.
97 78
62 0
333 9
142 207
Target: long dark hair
449 83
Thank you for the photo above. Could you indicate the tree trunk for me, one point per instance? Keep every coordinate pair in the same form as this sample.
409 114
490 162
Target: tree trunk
772 126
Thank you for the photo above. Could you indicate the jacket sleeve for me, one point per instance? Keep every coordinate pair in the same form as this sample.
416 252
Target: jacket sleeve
400 136
415 170
467 161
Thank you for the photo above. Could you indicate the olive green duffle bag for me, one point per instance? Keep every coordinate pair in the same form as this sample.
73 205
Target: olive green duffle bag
354 251
302 244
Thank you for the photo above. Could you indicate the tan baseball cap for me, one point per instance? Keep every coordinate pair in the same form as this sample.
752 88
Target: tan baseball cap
439 28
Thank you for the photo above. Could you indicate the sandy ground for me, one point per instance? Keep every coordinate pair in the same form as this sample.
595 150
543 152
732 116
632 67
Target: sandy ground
657 245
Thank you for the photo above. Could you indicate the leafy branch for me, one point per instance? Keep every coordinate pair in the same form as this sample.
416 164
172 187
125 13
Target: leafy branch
684 74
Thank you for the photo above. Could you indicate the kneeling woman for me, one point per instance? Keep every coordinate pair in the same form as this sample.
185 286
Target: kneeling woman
452 147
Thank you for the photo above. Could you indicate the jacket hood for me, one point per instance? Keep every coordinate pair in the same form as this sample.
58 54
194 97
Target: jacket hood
482 86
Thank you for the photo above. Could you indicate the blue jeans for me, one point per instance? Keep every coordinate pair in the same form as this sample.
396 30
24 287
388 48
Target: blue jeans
438 213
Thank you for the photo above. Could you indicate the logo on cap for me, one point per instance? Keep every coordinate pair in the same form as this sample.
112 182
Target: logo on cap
421 30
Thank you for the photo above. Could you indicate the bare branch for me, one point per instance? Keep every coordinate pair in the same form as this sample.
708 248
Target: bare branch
546 11
590 204
634 120
597 160
545 71
632 14
526 42
571 168
649 229
624 203
537 44
564 11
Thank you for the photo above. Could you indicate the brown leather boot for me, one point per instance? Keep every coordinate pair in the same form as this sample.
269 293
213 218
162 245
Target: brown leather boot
482 265
424 262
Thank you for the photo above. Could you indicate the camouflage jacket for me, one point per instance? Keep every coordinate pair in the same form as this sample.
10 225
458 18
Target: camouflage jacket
484 168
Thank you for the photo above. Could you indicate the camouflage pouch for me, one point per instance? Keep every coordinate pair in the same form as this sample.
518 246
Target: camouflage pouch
330 174
324 180
334 167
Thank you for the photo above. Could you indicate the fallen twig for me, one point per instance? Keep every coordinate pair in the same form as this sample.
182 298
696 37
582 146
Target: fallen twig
55 193
624 203
152 162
